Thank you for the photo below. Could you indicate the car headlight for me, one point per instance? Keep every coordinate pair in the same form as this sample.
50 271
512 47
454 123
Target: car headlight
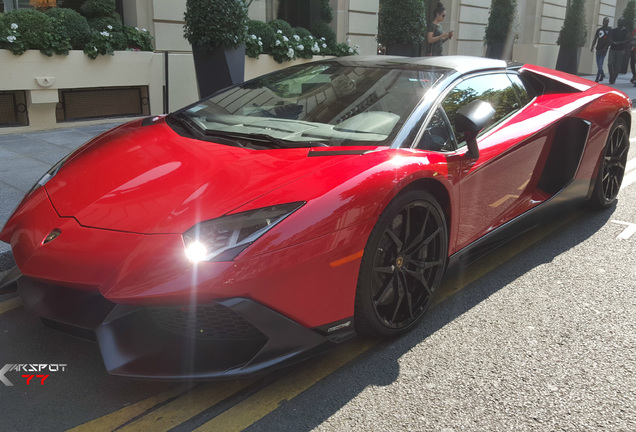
222 239
49 174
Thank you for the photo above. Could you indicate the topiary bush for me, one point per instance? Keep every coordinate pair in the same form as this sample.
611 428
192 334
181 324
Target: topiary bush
500 19
401 22
73 24
573 33
98 8
215 23
629 13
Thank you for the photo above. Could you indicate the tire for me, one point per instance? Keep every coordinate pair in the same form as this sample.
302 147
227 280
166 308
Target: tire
612 167
402 265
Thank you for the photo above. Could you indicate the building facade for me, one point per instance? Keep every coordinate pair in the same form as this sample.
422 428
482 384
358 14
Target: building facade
165 79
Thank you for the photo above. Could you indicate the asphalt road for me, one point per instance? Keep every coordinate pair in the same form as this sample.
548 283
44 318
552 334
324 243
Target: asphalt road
540 335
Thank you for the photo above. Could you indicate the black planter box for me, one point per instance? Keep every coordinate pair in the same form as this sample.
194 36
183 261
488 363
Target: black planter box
218 68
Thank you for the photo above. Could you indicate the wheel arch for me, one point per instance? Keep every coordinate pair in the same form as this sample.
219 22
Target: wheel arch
439 192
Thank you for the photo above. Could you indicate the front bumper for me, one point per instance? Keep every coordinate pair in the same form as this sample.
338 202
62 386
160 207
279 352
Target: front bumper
217 339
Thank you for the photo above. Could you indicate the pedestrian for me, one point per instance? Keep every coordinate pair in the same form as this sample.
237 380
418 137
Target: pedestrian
620 42
435 35
632 58
602 42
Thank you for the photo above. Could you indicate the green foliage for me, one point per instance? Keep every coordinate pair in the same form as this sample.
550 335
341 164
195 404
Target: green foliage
629 13
61 29
401 22
323 30
262 30
102 23
281 25
73 25
325 11
55 43
31 24
25 29
573 33
11 37
98 8
259 35
500 19
76 5
302 32
101 43
216 23
137 40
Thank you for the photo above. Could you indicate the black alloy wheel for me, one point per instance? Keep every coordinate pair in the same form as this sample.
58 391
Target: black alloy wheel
612 168
402 265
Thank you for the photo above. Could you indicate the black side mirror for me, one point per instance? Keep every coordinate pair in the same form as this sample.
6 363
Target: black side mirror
470 120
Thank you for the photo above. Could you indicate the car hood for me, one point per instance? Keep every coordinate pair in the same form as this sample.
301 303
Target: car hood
150 180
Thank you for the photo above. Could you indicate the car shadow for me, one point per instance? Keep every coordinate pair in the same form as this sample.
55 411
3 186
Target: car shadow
380 365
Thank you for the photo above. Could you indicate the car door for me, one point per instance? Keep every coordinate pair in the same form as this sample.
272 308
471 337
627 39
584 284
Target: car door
498 185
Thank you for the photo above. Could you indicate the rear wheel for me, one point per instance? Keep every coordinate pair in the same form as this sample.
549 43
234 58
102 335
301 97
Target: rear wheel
612 168
402 265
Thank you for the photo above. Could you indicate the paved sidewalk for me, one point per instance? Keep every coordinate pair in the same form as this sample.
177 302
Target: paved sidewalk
25 157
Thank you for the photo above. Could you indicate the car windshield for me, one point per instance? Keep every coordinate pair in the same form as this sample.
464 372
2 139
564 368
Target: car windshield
324 104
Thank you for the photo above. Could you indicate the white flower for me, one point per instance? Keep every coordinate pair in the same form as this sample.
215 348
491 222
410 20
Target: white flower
253 37
290 53
143 29
11 38
324 45
277 42
137 28
109 27
104 33
315 48
279 31
322 38
285 39
297 38
300 47
350 50
260 43
14 26
95 48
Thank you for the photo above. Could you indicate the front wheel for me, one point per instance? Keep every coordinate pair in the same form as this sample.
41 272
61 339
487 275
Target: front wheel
402 265
612 168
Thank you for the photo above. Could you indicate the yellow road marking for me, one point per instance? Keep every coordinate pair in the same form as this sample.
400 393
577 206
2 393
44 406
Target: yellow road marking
185 407
10 304
120 417
267 400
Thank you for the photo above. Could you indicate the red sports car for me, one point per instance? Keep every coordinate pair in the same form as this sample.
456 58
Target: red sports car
290 212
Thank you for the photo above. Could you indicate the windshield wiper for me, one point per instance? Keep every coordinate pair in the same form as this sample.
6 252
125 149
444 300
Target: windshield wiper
265 140
184 122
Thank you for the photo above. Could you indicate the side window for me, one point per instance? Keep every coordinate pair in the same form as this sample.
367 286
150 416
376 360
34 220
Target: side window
437 135
524 91
495 89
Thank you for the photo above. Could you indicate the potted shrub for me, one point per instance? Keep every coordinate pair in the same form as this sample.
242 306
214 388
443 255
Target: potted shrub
217 31
499 38
402 26
572 37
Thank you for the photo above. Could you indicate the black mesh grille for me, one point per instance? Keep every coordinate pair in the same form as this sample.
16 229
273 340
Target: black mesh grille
209 322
